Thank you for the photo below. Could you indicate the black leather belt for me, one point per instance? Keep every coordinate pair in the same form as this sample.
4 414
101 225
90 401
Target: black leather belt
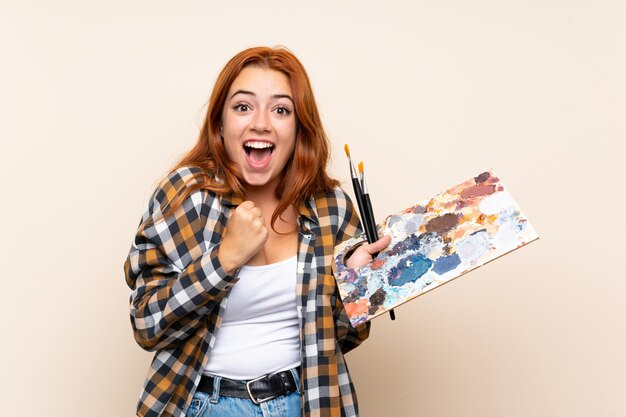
258 390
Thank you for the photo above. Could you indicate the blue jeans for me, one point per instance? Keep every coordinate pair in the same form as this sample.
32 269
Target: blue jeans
212 404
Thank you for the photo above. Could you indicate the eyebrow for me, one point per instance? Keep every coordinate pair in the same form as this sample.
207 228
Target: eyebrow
250 93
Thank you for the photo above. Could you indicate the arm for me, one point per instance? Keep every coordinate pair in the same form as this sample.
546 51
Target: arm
176 281
349 226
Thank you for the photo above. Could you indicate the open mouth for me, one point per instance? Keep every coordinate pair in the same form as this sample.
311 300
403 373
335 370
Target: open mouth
258 151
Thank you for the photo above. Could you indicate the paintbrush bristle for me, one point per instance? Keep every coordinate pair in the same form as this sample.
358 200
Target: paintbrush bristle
361 167
347 149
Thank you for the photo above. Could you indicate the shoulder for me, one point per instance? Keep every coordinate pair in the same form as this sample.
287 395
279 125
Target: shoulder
335 199
335 207
184 182
348 224
342 198
177 181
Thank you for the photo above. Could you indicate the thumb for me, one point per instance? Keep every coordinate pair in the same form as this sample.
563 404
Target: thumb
379 245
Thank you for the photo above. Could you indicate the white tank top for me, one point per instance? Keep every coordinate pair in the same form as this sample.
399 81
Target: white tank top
259 332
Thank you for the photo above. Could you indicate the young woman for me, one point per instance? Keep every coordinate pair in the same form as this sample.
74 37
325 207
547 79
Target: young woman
230 267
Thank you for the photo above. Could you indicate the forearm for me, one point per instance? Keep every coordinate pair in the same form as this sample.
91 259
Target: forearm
167 306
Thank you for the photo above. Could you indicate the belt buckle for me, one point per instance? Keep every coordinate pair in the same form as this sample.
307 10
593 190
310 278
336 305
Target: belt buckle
255 400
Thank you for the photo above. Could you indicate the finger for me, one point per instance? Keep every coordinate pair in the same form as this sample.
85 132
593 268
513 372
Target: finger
257 212
246 205
262 232
379 245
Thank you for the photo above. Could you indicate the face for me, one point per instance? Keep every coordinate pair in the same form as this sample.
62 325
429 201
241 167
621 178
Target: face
259 125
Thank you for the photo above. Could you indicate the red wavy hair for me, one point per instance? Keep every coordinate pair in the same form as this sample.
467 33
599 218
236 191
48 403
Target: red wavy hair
304 174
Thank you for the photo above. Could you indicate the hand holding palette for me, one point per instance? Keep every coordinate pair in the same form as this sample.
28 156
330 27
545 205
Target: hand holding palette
432 243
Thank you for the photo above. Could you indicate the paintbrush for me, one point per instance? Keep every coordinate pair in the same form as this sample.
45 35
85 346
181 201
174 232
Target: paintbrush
370 222
357 188
368 212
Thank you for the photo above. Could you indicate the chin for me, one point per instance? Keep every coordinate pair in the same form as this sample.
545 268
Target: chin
257 181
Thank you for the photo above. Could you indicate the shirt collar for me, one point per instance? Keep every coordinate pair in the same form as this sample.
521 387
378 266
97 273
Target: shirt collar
307 211
231 200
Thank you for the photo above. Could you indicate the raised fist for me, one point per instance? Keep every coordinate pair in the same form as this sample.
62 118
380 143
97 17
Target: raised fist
244 236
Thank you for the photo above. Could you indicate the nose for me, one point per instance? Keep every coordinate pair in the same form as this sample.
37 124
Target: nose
261 122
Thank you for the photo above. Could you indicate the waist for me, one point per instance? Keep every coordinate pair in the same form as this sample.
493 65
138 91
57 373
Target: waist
258 390
243 352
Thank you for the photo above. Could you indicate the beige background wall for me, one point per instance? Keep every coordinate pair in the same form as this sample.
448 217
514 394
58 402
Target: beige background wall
98 99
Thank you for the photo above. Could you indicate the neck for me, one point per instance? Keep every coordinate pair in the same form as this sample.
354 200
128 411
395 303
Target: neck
265 192
262 197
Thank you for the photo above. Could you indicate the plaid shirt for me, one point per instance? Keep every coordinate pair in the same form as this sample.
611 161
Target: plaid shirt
180 292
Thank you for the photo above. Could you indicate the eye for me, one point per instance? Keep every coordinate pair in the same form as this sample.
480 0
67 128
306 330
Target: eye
283 111
242 107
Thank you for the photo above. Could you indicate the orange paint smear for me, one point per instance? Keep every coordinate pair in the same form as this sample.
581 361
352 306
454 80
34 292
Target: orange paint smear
357 309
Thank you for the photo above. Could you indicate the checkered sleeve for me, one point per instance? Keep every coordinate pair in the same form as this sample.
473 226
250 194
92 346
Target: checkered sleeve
349 226
173 270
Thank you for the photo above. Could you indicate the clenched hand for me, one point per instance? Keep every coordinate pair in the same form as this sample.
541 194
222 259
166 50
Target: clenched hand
244 235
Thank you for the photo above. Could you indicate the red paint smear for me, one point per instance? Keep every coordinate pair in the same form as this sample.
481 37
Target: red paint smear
478 190
491 180
377 264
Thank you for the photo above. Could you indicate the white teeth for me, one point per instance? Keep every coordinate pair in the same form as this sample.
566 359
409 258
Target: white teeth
258 145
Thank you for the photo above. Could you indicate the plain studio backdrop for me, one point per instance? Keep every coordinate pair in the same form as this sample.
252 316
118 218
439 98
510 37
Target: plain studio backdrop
99 99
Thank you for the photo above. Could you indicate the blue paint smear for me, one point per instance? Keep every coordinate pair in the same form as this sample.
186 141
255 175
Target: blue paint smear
412 242
357 293
409 269
446 263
